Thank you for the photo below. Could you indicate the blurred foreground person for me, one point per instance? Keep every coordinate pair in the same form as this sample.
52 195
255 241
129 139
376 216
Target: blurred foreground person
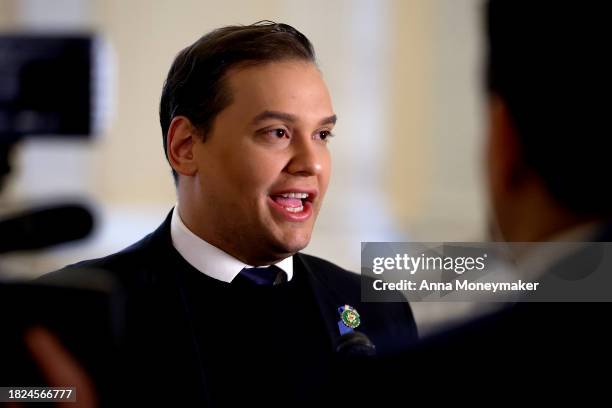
547 169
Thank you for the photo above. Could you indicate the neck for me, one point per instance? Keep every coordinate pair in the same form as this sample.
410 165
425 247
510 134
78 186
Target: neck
536 216
237 248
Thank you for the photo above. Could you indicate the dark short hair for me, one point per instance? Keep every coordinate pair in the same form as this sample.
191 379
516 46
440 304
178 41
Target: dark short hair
195 86
546 60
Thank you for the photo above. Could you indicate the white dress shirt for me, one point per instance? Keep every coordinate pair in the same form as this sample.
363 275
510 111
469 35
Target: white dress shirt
209 259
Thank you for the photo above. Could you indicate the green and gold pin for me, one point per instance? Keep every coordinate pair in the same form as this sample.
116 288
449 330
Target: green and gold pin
349 316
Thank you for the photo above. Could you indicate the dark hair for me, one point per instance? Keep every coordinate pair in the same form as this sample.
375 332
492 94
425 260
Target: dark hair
546 60
195 85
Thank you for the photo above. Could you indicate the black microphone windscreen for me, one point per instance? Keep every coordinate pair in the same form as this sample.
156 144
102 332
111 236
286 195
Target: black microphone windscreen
355 344
46 226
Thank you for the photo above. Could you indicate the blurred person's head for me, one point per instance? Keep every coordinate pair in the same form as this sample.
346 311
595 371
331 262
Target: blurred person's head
548 79
245 117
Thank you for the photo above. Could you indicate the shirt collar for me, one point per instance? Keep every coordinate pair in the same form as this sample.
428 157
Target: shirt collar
209 259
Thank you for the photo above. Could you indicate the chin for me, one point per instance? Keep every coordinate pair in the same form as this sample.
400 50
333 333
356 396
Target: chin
294 243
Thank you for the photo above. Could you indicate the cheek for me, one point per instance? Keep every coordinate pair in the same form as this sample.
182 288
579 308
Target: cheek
257 173
493 165
325 172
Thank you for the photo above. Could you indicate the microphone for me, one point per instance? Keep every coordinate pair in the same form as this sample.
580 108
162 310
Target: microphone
355 357
45 226
355 344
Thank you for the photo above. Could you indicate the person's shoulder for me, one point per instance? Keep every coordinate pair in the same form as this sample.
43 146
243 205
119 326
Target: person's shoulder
345 277
331 270
127 256
121 266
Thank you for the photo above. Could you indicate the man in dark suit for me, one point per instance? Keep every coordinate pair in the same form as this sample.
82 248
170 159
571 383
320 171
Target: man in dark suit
221 305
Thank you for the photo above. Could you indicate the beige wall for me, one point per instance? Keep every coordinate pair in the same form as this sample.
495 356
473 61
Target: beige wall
6 13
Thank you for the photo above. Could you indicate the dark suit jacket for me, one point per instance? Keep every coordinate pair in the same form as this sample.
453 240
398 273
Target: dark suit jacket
159 337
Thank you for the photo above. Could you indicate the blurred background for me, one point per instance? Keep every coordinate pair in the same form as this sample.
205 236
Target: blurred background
404 77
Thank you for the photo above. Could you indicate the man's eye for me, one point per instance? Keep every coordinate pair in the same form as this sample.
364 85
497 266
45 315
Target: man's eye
279 133
325 134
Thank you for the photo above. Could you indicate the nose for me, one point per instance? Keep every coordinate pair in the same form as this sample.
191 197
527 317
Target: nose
307 159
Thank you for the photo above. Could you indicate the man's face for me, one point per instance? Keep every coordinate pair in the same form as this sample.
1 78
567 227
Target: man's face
264 167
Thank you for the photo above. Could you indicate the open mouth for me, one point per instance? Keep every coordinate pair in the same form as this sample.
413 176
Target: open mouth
292 202
295 205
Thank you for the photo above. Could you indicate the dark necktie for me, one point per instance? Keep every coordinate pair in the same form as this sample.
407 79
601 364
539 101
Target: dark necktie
261 276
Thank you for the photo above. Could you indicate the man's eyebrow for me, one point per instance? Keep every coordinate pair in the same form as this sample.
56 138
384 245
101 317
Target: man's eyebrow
329 120
288 117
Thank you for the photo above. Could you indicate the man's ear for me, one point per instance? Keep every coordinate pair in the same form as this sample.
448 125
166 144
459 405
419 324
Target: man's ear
182 136
507 165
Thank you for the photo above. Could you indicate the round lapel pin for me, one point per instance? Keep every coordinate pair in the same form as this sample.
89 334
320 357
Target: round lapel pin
349 316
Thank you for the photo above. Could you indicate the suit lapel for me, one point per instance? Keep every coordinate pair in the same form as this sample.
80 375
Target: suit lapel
328 296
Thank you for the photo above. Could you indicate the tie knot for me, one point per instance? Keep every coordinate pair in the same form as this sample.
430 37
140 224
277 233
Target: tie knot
263 276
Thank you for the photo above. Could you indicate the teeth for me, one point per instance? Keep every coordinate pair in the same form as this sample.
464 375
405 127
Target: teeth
295 195
295 209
